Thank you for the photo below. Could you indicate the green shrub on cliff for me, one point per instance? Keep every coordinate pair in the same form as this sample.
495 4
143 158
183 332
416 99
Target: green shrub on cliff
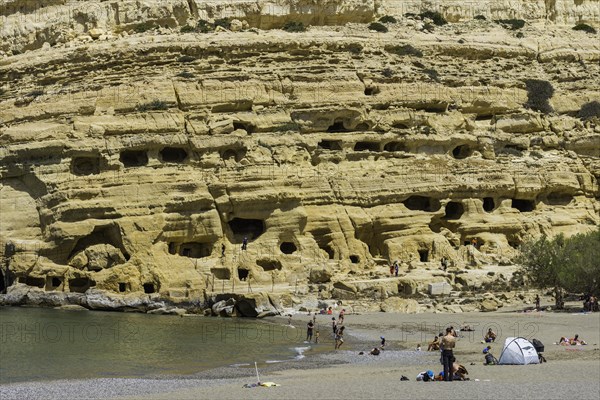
185 75
512 24
293 26
437 18
589 110
387 19
186 59
378 27
153 105
143 27
539 93
584 27
187 28
405 50
204 26
223 23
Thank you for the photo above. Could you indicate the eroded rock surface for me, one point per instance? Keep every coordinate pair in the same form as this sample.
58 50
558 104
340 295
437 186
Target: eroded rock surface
135 159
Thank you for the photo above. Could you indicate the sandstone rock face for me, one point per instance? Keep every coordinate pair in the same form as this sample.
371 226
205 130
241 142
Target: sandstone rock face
139 164
396 304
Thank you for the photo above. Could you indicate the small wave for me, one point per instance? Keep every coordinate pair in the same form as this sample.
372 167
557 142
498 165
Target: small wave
274 361
300 352
241 365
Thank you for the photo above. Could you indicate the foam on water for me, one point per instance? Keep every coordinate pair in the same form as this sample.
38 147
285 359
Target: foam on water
300 352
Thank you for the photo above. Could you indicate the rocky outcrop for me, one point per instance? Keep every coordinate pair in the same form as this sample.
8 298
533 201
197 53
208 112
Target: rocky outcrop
141 162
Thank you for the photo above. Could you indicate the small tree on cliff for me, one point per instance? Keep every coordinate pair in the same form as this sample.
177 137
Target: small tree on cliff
563 264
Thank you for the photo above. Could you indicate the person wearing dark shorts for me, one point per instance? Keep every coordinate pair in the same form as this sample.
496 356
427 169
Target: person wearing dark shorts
447 345
309 331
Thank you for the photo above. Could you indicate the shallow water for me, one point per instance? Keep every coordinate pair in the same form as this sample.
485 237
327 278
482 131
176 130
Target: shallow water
41 344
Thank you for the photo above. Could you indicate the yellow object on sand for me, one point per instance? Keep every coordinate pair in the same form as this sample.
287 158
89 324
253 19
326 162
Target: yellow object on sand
269 384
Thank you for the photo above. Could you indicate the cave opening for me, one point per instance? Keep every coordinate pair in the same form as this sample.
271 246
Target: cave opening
489 204
173 154
354 259
330 252
85 166
195 249
338 126
330 144
462 151
514 244
395 146
233 154
149 288
559 199
243 274
424 255
53 282
367 146
249 228
107 234
269 265
134 158
454 210
288 248
32 281
80 285
421 203
523 205
245 126
122 287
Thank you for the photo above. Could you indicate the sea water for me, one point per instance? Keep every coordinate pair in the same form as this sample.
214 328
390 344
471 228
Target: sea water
47 344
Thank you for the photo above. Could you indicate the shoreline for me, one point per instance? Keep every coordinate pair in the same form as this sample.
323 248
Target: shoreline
570 371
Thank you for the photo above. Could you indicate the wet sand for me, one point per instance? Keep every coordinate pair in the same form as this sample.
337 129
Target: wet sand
571 372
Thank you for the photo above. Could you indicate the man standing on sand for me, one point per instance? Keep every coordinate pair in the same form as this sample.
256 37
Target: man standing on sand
537 302
447 345
334 325
341 317
245 243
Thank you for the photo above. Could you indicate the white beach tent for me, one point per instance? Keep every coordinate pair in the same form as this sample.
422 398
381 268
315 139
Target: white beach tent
518 351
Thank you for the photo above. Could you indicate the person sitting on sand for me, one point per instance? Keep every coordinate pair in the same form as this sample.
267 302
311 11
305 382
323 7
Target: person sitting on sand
434 345
489 357
375 351
467 328
575 341
490 336
460 372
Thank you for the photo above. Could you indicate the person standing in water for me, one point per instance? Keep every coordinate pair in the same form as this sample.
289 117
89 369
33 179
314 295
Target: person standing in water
309 331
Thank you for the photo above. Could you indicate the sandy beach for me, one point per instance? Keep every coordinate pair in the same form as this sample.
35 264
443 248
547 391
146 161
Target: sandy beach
571 371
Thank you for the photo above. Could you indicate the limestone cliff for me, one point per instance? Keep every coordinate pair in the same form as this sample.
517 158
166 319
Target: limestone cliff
136 158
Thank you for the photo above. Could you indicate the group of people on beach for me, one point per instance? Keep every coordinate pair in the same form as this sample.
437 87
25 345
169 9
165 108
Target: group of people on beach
337 326
451 369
